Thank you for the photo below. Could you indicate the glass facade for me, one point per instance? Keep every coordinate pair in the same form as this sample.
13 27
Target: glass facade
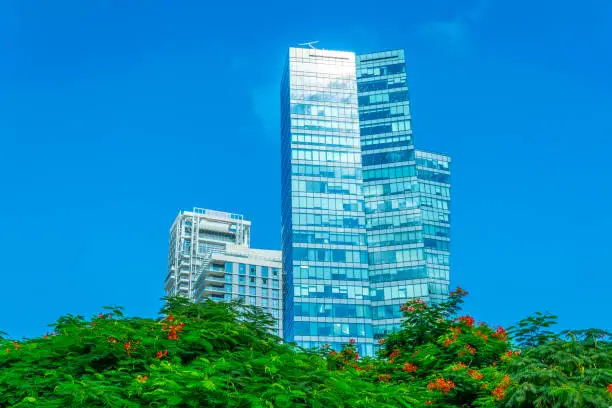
365 216
325 258
406 195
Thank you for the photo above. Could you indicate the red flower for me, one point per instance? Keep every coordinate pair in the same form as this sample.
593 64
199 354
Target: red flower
500 333
447 342
409 368
127 347
394 353
356 356
482 335
475 374
508 353
170 318
411 309
46 336
352 341
441 385
459 366
459 292
112 340
160 354
609 389
467 320
384 377
381 341
471 349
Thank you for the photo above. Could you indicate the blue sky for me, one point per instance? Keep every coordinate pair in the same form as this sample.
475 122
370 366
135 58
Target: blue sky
115 115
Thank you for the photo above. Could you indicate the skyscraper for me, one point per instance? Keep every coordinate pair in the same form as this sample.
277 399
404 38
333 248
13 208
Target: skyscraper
406 195
323 220
333 103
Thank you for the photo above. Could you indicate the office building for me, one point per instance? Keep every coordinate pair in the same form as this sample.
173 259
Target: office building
323 220
360 235
210 257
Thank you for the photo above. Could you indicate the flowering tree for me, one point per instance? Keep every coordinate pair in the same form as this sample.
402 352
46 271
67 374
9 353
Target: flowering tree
222 355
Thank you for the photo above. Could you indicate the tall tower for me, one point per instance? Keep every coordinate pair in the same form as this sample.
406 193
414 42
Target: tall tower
406 195
327 288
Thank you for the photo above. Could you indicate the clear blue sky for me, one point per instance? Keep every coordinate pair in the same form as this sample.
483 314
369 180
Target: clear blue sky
114 115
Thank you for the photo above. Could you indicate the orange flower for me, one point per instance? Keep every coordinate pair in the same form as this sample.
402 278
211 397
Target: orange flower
409 368
509 353
112 340
455 330
467 320
441 385
475 374
394 353
428 402
142 379
609 388
471 349
458 366
384 377
447 342
482 335
500 333
160 354
170 318
381 341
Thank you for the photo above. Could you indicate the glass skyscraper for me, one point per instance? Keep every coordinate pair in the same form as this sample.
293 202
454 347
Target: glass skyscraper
356 242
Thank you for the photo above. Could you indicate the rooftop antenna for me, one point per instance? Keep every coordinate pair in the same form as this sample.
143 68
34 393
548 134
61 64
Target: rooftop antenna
310 43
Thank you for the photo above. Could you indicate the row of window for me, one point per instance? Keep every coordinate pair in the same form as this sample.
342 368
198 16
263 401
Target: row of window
433 163
329 273
397 187
382 84
327 111
326 125
242 290
331 310
383 113
328 220
393 221
387 142
321 81
391 69
386 97
433 176
253 280
332 329
362 348
326 140
389 172
318 96
330 156
228 267
399 292
396 256
325 171
331 291
329 255
429 229
437 259
387 157
398 274
433 203
435 216
326 187
436 244
326 203
395 238
434 190
395 204
321 237
388 127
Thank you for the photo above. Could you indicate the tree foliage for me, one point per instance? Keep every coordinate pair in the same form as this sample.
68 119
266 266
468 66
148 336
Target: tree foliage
223 355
